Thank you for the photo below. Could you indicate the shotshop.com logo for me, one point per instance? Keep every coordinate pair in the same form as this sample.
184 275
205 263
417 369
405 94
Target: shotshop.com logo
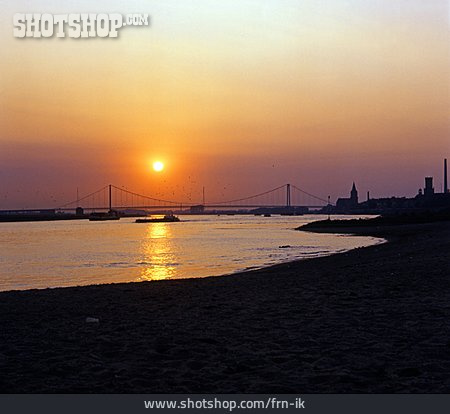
81 25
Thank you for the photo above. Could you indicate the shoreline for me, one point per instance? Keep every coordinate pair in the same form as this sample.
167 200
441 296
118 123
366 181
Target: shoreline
238 271
241 272
371 319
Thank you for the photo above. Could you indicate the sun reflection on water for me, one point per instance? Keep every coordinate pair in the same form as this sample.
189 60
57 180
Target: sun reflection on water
157 253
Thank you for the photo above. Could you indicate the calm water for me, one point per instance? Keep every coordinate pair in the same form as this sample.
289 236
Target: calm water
53 254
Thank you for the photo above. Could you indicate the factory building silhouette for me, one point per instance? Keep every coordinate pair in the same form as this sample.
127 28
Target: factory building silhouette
425 200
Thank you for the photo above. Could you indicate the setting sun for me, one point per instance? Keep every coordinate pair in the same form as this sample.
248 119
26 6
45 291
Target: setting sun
158 166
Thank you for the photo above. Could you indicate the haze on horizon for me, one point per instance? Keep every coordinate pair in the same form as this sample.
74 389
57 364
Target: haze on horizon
237 96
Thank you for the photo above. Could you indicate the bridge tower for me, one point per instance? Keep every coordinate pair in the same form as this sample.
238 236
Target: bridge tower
288 195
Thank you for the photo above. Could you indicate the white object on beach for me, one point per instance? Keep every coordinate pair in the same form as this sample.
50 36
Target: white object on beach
92 320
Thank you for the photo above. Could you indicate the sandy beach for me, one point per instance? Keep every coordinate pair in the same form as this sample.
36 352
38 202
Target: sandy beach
372 320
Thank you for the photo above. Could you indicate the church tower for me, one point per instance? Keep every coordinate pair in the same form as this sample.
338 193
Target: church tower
354 195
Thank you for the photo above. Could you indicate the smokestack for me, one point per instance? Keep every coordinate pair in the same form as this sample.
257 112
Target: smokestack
428 190
445 177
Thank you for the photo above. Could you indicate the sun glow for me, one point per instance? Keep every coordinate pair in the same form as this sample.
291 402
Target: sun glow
158 166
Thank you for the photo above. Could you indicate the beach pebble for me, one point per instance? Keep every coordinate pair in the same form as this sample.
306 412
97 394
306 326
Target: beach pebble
92 320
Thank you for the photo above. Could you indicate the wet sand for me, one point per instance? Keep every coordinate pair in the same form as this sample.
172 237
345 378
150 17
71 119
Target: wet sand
375 319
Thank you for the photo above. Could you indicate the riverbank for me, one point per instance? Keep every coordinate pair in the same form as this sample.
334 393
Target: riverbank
373 319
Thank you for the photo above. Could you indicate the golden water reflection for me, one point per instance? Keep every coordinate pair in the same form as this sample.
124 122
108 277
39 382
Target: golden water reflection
157 252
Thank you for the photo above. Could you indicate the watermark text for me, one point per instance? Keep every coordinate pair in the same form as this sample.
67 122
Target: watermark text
77 26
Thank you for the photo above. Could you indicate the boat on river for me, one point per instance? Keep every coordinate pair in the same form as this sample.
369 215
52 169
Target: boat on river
110 215
168 218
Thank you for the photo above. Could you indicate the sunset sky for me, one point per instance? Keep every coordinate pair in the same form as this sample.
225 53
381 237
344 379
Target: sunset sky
238 96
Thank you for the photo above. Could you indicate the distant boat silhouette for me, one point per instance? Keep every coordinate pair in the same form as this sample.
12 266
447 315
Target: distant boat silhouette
168 218
110 215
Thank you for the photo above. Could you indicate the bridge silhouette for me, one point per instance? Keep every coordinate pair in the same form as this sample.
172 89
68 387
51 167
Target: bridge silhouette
117 198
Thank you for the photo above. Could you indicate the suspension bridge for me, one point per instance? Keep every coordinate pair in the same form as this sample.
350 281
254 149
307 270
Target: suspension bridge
112 197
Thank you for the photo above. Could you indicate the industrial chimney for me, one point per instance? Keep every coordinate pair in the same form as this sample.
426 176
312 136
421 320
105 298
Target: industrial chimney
445 177
428 190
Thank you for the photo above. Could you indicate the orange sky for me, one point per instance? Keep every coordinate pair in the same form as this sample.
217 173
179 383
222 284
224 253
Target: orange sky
238 96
